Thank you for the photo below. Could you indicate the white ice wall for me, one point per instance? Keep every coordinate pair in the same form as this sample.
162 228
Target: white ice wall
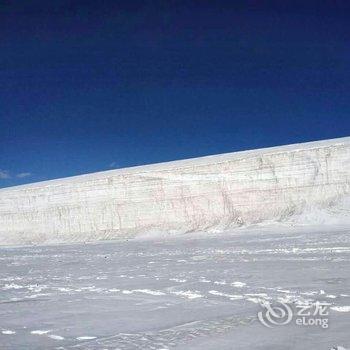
206 193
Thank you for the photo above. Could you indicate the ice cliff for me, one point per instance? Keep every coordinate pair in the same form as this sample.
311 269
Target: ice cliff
202 194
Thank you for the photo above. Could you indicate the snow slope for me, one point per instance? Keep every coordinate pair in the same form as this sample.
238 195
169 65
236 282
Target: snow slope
302 183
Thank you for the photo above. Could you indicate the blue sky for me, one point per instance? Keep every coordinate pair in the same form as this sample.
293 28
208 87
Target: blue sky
87 86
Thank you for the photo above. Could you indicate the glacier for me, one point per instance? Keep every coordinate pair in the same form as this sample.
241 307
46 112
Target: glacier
213 240
301 183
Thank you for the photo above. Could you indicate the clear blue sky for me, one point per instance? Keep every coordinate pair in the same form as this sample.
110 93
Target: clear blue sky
93 85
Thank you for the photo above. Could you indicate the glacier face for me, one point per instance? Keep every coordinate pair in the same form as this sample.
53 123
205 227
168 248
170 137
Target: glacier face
208 193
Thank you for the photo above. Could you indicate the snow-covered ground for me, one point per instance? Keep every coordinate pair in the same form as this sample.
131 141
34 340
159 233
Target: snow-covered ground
197 291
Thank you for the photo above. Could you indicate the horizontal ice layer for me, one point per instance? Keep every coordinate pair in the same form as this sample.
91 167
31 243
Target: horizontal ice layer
208 193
